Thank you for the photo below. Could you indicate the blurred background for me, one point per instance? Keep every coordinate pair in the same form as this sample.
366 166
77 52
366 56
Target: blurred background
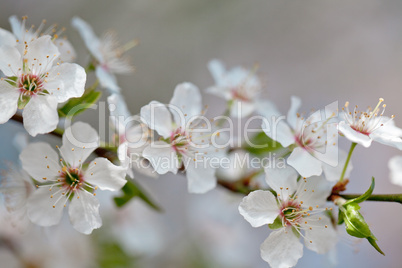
322 51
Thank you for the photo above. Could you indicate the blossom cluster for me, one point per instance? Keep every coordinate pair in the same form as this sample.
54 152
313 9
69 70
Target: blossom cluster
293 199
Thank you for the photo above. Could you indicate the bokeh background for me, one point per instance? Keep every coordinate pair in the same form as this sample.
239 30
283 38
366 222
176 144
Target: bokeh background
322 51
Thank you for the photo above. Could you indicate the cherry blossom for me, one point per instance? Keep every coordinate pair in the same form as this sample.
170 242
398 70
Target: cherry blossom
69 180
295 210
33 83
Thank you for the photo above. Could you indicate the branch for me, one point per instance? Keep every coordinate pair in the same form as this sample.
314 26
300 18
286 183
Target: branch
377 197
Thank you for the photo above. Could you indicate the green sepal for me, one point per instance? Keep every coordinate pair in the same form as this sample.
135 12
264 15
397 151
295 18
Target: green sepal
265 144
276 224
84 102
131 190
12 80
364 196
23 101
355 224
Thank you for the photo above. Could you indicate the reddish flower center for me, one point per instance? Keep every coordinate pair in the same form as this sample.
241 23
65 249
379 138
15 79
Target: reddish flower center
30 84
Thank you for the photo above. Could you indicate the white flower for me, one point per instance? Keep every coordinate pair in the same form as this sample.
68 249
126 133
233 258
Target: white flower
107 53
364 127
67 179
184 140
131 135
32 83
313 141
395 166
22 35
296 210
240 87
16 186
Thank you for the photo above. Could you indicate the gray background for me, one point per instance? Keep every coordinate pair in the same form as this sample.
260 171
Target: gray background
322 51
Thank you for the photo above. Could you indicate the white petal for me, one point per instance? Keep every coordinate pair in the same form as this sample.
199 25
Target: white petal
322 239
40 206
217 69
40 161
84 212
306 164
395 167
66 81
222 92
41 53
162 157
7 38
16 27
10 60
186 103
292 113
387 140
267 109
87 34
102 173
79 141
314 191
259 208
66 49
285 178
201 179
157 116
280 131
240 109
8 101
353 135
40 115
282 249
334 173
107 79
117 108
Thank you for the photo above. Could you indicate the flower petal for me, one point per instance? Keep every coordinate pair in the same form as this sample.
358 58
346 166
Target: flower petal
285 178
10 60
279 131
322 234
40 115
41 53
8 101
107 79
157 116
186 103
282 249
292 113
240 109
314 191
66 81
102 173
395 167
40 206
353 135
201 177
84 212
66 49
79 141
40 161
162 157
334 173
87 34
387 140
7 38
306 164
259 208
217 69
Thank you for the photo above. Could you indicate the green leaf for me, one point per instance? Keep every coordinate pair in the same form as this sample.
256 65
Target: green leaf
76 106
131 190
261 144
364 196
